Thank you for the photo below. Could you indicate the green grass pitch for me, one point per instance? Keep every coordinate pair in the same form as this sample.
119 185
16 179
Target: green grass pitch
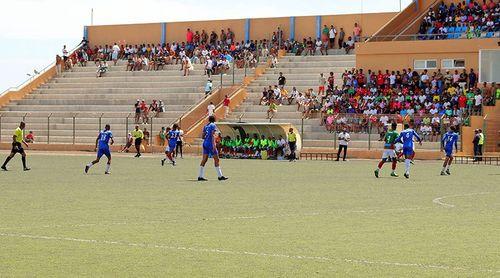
271 219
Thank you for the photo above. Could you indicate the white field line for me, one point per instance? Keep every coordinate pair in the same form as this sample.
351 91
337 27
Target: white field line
439 200
230 218
248 253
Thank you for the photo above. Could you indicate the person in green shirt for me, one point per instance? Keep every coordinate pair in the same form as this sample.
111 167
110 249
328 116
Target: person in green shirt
389 153
470 99
138 135
17 147
237 145
264 143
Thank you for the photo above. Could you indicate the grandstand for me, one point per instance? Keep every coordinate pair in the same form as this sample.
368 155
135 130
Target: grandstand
68 109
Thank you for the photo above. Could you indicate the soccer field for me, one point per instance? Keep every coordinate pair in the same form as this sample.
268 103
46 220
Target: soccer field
270 219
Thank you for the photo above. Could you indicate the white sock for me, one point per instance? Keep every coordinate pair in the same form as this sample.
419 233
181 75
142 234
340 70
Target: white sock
447 167
219 171
407 165
108 166
202 172
444 168
90 164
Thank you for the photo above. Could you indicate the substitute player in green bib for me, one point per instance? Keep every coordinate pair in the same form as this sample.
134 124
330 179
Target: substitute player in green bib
389 153
17 147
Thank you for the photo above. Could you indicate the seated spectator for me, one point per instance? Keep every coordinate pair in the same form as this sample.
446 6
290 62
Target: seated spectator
30 137
101 68
272 110
349 45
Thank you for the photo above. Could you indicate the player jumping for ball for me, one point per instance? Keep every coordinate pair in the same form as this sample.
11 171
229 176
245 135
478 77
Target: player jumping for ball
103 142
449 140
389 152
210 149
406 137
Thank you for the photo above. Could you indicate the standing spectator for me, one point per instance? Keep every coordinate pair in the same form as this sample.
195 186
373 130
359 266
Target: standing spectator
292 143
475 142
146 136
137 107
226 103
356 32
480 144
273 108
472 79
180 142
114 55
344 139
208 87
321 85
65 53
478 101
281 81
211 109
189 36
332 32
341 38
59 62
162 136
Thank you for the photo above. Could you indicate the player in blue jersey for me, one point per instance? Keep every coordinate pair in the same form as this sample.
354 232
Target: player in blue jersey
210 149
102 143
407 136
449 140
172 136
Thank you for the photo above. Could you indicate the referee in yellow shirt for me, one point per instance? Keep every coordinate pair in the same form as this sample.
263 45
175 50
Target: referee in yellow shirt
17 147
138 135
292 143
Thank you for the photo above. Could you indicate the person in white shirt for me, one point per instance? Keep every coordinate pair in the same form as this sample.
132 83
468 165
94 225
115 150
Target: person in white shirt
319 46
114 54
180 141
211 109
331 36
478 100
344 139
384 120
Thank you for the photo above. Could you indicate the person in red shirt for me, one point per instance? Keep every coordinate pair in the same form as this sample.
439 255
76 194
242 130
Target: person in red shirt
380 79
226 103
462 102
189 36
360 78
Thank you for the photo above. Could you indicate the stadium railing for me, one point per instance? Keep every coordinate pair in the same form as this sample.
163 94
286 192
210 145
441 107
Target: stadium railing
422 37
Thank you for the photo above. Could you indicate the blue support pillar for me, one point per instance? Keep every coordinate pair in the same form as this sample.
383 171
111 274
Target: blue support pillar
318 26
292 28
247 29
163 32
86 32
467 2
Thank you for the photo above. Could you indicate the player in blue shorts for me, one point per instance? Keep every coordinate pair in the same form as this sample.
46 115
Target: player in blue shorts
449 140
210 149
407 137
103 142
172 136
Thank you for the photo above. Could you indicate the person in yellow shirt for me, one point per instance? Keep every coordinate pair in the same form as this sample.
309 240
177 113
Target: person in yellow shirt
138 135
17 147
292 143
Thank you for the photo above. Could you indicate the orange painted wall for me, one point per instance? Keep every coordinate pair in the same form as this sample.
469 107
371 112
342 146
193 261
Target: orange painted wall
260 28
263 28
401 54
305 27
125 34
370 23
176 31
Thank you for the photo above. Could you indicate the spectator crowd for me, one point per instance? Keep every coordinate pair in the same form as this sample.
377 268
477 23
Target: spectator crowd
473 20
360 100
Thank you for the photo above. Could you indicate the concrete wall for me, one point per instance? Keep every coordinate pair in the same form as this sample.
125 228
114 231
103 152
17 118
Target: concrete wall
176 31
259 28
125 34
401 54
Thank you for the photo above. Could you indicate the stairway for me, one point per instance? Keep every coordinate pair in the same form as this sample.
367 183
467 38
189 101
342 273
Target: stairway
303 73
492 129
112 97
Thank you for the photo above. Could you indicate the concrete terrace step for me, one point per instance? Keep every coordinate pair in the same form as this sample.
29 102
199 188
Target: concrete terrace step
136 91
148 73
144 85
176 106
177 98
79 108
323 64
